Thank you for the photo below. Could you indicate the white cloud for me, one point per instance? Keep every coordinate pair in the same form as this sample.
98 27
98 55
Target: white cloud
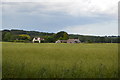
84 8
0 16
70 7
104 28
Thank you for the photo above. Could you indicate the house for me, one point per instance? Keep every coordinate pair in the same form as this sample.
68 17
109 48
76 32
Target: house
37 39
73 41
68 41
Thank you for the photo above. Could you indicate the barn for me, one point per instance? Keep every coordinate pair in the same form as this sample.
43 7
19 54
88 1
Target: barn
68 41
73 41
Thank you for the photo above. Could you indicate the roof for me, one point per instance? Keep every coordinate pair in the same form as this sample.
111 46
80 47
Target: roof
73 41
63 40
69 40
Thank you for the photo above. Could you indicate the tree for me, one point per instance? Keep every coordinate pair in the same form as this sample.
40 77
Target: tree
61 38
49 39
24 37
65 36
61 35
7 36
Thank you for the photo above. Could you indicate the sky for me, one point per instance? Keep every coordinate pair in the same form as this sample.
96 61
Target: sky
84 17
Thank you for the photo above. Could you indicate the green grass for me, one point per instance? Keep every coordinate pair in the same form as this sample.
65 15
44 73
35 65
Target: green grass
48 60
0 60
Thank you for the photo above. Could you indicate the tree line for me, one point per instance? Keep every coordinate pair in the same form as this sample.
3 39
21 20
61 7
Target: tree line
27 36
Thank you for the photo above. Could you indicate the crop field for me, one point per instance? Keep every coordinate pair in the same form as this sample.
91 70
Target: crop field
0 60
50 60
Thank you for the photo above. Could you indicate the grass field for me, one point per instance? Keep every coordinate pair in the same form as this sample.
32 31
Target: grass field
0 60
49 60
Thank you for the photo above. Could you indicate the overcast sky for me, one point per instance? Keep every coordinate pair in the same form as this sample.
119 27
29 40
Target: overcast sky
85 17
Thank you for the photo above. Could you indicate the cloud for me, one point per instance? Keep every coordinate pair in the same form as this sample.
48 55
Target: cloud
0 16
91 8
97 17
104 28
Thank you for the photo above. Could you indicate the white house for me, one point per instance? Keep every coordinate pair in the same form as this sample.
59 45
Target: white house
37 39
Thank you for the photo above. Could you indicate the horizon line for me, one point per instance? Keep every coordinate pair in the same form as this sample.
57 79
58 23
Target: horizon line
62 30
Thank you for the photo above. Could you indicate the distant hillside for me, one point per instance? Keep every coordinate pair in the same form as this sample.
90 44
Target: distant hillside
31 33
11 35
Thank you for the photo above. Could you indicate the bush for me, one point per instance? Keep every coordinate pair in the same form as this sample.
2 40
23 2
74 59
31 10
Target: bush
25 41
19 40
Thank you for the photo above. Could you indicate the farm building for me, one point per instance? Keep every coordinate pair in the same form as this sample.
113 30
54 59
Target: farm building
68 41
37 39
73 41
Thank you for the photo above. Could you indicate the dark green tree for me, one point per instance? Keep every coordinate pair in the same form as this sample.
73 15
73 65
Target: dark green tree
49 39
7 36
61 35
